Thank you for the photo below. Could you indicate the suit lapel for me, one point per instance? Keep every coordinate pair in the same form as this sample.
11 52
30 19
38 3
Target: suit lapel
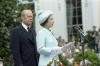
31 37
26 35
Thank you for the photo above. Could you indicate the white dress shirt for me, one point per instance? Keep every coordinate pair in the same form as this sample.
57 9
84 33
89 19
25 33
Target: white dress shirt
25 26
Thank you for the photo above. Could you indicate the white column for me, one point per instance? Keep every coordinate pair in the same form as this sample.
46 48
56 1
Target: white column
96 13
90 14
1 62
37 8
87 14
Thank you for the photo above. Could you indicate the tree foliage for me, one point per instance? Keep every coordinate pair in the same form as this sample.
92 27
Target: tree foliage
7 12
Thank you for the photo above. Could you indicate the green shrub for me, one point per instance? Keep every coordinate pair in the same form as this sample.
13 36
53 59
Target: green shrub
88 55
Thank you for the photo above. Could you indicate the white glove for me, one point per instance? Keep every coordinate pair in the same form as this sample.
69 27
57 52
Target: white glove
64 48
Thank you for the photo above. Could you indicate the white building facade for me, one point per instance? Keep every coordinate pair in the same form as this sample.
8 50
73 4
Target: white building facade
70 13
90 14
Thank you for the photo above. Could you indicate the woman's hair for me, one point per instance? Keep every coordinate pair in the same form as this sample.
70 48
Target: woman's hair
45 21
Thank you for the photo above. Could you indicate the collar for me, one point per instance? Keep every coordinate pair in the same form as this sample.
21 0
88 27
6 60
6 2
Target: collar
48 31
25 26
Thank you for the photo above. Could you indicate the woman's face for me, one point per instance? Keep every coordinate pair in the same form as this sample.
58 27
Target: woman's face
50 22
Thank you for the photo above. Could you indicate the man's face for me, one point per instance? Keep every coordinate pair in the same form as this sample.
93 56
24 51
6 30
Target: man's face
27 18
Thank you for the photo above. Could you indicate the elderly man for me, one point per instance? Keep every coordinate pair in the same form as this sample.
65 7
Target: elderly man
23 42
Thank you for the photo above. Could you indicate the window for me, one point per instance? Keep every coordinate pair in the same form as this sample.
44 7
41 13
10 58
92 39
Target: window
74 16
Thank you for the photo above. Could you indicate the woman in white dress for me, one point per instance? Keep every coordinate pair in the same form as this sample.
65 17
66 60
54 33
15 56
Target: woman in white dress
47 44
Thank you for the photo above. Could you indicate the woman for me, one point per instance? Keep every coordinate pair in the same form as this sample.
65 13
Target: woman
47 44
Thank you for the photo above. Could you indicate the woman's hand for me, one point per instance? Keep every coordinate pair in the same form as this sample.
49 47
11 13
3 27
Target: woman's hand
64 48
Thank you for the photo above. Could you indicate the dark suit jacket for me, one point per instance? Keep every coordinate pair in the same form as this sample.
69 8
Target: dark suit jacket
23 46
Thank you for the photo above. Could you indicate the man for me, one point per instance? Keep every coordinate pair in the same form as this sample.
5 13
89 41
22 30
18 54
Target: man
94 34
23 42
